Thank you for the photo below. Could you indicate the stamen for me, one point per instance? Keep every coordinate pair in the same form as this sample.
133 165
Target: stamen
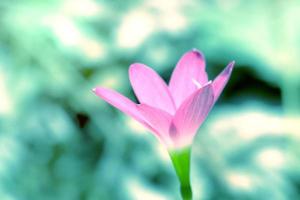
209 82
196 83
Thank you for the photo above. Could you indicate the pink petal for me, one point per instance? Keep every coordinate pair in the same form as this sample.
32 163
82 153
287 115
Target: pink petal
159 120
190 67
149 88
221 80
122 103
191 115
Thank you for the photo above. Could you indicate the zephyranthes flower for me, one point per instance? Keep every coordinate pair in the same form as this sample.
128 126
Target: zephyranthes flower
172 112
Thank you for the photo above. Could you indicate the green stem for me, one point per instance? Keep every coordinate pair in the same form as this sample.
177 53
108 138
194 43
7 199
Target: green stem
181 163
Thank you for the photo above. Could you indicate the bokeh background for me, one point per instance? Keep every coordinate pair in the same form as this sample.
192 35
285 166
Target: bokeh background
59 141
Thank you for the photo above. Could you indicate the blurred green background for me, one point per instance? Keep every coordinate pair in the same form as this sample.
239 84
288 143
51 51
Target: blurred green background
59 141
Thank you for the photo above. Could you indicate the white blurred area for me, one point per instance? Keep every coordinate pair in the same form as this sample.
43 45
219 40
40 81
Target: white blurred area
254 120
240 180
140 190
72 36
6 103
82 8
148 18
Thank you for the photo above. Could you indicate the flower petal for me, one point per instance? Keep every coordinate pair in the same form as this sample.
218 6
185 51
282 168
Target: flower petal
149 88
159 120
191 115
191 66
122 103
221 80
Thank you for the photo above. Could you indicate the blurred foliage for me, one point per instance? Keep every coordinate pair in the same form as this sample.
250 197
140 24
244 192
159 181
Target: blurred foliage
59 141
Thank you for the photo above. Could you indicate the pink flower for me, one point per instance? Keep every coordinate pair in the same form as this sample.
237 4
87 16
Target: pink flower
172 112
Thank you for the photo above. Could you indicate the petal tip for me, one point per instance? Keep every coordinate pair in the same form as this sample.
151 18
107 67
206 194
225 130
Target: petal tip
98 91
132 67
132 70
95 90
197 53
136 68
229 67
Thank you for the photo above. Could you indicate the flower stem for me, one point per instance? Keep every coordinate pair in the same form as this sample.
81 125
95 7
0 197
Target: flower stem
181 163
